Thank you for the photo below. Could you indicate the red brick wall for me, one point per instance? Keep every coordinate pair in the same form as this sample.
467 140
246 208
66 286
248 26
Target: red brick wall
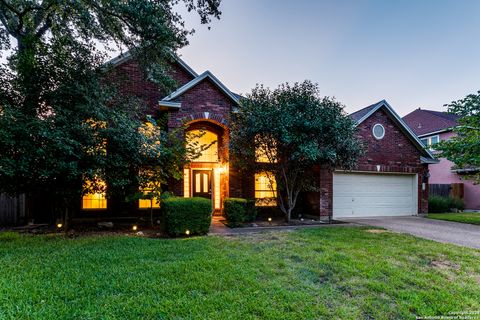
132 82
204 97
394 153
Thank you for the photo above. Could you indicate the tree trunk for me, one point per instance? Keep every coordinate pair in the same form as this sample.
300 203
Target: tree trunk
66 222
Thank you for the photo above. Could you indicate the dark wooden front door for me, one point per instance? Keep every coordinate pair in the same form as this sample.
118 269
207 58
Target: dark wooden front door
202 184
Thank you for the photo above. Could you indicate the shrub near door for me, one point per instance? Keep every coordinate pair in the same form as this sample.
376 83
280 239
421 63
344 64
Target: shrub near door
187 215
238 210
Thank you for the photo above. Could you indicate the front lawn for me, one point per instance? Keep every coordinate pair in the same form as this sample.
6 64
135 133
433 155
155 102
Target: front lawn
466 217
331 273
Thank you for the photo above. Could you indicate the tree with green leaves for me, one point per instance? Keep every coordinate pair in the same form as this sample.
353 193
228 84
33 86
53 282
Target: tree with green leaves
286 132
464 148
61 123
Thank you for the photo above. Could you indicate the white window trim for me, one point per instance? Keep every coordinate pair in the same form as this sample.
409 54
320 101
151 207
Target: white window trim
429 141
373 131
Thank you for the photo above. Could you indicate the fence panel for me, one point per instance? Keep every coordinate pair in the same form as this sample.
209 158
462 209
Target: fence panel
442 190
12 209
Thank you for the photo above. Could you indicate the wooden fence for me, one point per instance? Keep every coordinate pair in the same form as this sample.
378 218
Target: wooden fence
12 209
454 190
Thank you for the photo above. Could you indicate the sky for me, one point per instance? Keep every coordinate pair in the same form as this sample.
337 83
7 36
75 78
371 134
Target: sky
422 53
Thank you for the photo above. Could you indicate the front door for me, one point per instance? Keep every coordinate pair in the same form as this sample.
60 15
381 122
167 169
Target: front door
202 184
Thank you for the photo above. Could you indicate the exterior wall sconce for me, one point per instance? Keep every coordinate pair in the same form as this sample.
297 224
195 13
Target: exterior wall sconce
222 169
425 177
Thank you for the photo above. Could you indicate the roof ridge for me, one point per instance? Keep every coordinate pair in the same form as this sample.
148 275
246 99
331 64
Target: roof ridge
367 107
206 74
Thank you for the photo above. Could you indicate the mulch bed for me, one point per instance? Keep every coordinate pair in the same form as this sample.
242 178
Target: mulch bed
281 222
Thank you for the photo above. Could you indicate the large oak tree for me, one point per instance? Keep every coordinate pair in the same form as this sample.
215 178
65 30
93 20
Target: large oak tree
56 109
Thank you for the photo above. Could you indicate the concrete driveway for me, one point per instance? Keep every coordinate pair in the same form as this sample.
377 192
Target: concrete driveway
462 234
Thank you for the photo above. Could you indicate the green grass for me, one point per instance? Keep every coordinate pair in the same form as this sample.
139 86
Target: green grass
466 217
331 273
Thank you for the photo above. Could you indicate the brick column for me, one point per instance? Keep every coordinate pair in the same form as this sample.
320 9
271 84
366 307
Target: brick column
326 193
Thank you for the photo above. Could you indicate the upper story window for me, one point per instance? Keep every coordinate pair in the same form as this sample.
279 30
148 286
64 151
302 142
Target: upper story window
207 140
101 146
378 131
266 151
430 141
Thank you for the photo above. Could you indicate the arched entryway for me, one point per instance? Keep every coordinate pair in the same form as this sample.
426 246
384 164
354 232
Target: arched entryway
207 175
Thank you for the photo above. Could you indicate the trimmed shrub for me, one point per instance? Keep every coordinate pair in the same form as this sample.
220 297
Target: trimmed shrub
238 210
457 203
182 214
437 204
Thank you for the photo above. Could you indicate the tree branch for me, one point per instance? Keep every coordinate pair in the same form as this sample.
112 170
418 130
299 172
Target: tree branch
10 7
3 20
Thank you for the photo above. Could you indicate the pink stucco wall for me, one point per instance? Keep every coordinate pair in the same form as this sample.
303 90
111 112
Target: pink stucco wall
441 173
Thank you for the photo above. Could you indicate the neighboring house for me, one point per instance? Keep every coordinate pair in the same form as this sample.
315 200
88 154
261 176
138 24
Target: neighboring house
390 179
432 127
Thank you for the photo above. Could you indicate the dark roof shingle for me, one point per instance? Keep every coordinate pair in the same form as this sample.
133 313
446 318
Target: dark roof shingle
359 114
426 121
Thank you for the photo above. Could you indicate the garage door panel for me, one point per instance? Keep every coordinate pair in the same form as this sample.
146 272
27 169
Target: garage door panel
366 195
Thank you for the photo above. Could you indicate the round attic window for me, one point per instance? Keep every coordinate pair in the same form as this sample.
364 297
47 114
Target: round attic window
378 131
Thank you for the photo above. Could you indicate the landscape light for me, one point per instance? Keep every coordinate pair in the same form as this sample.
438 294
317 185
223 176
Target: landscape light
134 228
187 232
59 225
269 219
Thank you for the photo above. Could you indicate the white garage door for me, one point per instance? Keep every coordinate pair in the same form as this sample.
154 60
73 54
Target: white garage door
369 195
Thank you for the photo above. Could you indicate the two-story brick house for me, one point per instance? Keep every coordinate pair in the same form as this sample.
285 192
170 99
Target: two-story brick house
391 179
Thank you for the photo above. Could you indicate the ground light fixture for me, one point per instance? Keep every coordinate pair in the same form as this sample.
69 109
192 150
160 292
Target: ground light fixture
270 219
59 225
187 232
134 227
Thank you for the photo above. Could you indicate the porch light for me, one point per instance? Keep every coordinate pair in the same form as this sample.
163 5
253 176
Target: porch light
134 227
59 225
187 232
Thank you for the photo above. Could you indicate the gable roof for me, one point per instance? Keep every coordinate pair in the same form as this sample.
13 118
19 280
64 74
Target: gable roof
357 115
206 75
123 57
363 114
426 122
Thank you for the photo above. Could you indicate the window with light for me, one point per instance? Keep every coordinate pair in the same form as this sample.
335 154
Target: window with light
203 138
265 189
101 147
148 203
96 200
264 153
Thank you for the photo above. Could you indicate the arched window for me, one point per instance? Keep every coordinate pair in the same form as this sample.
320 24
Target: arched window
200 139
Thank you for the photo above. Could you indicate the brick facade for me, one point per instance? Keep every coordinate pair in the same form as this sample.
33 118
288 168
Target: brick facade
204 101
132 82
205 105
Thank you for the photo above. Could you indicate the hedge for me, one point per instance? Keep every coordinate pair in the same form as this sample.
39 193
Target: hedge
437 204
238 210
182 214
